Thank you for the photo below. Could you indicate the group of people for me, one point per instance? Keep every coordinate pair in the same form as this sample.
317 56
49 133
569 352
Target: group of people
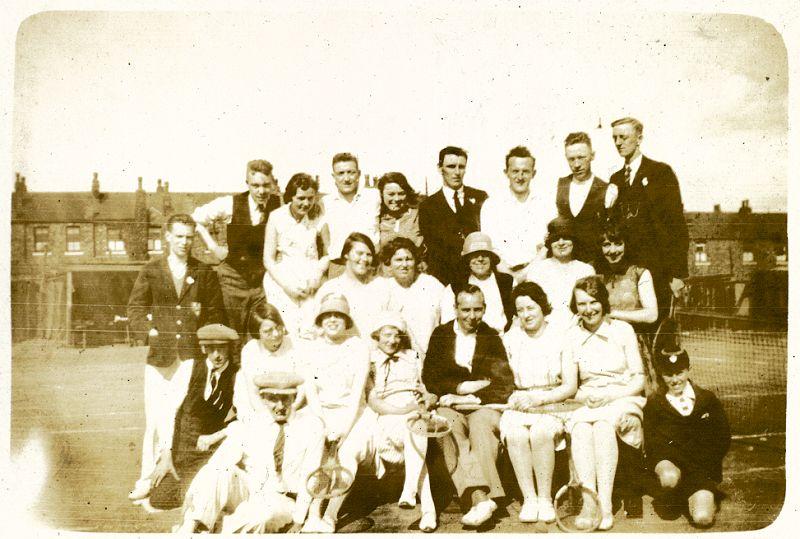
335 321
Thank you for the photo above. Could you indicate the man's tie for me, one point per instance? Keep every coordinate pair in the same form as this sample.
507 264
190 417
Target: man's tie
457 202
627 174
262 209
277 452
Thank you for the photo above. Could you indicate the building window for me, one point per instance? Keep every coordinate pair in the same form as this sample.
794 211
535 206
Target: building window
154 240
700 254
73 239
780 256
41 239
116 245
747 257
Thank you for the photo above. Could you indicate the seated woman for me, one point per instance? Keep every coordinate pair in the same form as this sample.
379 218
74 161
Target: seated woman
336 377
480 269
357 283
397 393
269 350
557 273
611 384
398 216
294 251
416 296
630 294
542 375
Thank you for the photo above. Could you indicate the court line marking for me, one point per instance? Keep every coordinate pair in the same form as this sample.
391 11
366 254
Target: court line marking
756 470
81 431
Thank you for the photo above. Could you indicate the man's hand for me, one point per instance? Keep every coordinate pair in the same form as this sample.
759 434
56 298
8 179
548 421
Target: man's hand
676 285
471 386
627 422
164 467
429 400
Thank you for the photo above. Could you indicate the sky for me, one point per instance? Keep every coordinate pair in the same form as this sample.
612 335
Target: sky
191 97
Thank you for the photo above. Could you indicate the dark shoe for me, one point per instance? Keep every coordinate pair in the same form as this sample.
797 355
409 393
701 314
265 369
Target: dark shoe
633 507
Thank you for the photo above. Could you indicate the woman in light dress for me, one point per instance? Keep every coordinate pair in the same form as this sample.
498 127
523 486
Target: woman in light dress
416 296
358 283
557 273
295 255
542 375
336 378
611 381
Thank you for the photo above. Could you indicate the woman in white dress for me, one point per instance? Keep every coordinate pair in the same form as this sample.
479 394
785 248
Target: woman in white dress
611 384
295 246
358 283
336 378
542 375
269 350
558 273
416 296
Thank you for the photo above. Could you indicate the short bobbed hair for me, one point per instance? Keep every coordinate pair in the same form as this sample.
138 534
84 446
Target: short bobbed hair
595 287
535 292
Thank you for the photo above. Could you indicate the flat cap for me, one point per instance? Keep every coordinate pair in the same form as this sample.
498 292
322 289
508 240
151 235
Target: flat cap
278 382
216 334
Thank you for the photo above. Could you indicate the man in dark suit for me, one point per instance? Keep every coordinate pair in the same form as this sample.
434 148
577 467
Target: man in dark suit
651 209
467 364
449 215
201 419
244 216
583 198
173 295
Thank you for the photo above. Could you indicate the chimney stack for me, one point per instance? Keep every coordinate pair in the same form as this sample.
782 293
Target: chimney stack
745 209
95 185
158 186
717 208
166 187
139 181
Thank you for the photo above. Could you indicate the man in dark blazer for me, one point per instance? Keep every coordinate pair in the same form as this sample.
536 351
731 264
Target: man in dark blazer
201 419
449 215
173 295
651 209
467 364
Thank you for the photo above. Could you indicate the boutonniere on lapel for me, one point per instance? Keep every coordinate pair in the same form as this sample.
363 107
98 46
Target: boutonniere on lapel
704 416
471 200
644 181
189 280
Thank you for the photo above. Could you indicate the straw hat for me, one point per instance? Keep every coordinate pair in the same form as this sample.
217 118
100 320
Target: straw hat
478 242
334 303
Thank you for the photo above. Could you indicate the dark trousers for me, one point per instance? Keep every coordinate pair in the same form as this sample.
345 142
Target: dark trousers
169 494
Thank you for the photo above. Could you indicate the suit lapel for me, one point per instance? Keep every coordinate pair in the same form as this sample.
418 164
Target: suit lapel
189 279
444 207
168 285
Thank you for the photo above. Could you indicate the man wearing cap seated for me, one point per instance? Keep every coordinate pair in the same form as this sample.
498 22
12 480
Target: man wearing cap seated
248 479
467 363
200 420
686 436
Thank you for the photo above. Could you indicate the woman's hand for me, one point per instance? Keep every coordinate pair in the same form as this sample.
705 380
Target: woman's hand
596 401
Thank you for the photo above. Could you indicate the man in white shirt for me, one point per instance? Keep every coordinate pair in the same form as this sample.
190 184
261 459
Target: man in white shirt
349 209
244 216
516 219
583 198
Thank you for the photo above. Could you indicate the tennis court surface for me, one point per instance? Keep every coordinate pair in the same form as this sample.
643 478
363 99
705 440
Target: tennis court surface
77 418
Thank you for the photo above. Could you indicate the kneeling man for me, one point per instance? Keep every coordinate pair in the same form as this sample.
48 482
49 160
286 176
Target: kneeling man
258 465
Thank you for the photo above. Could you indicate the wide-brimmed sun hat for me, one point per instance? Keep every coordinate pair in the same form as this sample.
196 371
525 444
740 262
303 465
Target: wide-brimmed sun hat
334 303
479 242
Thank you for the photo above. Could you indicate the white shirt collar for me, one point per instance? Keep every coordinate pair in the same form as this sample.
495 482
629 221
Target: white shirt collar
448 195
210 367
461 332
336 195
587 181
635 164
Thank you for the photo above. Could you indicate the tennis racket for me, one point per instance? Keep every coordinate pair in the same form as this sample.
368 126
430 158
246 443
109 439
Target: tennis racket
425 422
331 479
577 506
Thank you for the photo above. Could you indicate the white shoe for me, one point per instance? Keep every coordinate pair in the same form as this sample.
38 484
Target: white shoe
428 522
407 501
479 513
140 491
547 513
144 503
529 512
318 525
606 523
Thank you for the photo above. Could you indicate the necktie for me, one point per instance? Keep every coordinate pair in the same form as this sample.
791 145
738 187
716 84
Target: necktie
628 174
277 452
214 383
457 202
262 209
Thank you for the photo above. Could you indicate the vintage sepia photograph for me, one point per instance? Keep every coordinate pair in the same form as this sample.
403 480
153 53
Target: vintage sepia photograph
373 268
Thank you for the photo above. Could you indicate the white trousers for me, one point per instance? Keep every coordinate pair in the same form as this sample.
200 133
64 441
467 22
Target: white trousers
164 391
215 492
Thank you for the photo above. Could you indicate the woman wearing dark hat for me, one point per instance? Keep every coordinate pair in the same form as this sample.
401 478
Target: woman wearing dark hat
558 273
686 434
336 378
480 269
